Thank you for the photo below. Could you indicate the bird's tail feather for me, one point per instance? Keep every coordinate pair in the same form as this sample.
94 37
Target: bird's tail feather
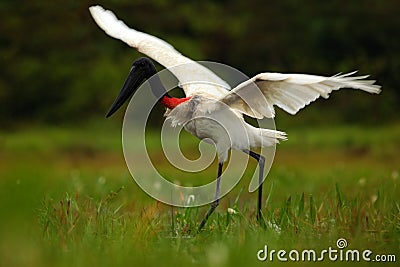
274 134
266 137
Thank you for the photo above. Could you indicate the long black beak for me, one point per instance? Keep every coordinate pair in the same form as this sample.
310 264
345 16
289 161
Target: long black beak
135 78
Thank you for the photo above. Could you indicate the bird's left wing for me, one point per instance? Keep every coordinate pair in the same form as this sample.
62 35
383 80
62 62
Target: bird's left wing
189 73
291 92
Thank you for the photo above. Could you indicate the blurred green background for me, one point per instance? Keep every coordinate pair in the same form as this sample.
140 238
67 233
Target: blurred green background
66 196
59 67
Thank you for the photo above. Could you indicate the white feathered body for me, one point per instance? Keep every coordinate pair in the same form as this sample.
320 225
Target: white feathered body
215 112
216 123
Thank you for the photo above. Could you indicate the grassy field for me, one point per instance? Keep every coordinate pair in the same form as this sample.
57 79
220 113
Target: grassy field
67 199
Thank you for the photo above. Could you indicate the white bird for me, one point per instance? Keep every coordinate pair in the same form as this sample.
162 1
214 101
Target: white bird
212 110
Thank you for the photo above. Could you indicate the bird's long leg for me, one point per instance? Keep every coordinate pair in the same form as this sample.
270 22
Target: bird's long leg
261 163
215 203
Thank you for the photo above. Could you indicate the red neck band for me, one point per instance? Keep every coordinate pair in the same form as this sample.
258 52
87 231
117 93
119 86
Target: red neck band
172 102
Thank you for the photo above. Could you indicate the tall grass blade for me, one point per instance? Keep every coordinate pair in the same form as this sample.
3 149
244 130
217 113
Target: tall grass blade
338 196
312 210
301 205
269 194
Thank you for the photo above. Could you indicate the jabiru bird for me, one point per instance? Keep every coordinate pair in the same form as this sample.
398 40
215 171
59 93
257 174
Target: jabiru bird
214 97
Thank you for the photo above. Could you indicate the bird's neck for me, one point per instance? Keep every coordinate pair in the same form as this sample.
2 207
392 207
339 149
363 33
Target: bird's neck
172 102
159 90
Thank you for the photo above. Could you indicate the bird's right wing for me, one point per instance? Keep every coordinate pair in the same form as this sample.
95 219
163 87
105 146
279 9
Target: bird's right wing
257 96
188 72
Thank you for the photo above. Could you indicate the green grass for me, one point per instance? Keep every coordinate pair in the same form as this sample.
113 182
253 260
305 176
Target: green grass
67 199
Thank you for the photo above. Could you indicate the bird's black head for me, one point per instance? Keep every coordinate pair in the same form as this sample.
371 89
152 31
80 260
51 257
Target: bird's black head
144 64
141 70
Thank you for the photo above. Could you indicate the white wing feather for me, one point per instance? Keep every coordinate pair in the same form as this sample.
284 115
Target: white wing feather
190 75
291 92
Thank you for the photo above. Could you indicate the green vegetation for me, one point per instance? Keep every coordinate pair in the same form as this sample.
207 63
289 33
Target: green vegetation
68 199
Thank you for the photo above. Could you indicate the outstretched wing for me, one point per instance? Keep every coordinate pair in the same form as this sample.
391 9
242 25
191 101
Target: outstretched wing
291 92
189 75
